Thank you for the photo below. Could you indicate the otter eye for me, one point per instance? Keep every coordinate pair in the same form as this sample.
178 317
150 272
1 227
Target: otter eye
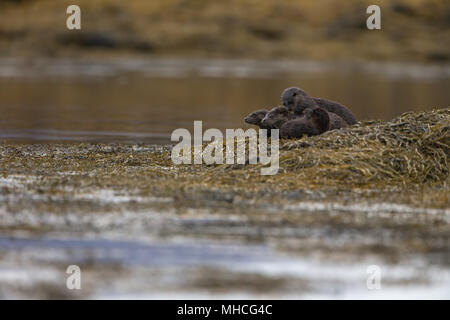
294 94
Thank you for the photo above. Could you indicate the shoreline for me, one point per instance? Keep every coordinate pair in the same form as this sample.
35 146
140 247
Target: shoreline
126 215
210 67
323 30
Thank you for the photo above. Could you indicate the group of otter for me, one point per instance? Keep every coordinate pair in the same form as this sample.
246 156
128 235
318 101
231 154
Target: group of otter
301 115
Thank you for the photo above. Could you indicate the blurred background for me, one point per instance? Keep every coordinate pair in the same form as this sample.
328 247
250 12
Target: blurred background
139 69
136 71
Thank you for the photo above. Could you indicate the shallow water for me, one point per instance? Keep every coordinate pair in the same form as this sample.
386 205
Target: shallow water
132 244
186 268
137 253
145 100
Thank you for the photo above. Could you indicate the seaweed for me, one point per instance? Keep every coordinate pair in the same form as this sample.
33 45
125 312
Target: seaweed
406 157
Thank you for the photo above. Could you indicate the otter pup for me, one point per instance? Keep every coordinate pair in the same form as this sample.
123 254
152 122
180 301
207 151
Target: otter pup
336 122
298 100
256 118
312 123
275 118
323 119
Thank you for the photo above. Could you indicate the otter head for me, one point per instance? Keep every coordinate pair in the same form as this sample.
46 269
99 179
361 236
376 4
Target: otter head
296 100
255 117
319 117
275 118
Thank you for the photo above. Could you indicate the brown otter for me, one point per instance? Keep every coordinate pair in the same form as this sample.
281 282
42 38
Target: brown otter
256 118
336 122
298 100
312 123
275 118
323 120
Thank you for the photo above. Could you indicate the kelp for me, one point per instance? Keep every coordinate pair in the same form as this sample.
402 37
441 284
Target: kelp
411 149
407 155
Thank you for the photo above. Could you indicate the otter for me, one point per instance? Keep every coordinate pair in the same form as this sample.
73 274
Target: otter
297 100
275 118
312 123
323 120
335 121
256 118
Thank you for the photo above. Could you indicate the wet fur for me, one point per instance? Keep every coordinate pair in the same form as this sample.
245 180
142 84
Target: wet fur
256 118
336 122
298 101
275 118
297 128
314 121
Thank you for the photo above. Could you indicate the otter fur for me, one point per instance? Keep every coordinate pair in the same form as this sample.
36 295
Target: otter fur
256 117
277 116
314 121
297 100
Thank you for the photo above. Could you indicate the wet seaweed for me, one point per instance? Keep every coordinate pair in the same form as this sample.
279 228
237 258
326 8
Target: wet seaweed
408 155
410 149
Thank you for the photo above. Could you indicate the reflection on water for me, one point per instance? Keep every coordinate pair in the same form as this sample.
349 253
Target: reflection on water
145 101
101 251
154 270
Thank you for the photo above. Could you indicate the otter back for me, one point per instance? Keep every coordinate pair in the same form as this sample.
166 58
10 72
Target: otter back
336 108
297 128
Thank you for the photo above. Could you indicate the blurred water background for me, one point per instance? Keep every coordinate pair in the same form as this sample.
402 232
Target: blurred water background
139 69
145 100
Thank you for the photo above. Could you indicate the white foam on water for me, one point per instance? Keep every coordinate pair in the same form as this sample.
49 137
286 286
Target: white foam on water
363 207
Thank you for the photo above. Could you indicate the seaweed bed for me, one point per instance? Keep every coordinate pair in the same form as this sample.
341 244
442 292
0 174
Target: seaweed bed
405 155
376 189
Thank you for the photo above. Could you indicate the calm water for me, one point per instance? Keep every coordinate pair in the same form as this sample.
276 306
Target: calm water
145 100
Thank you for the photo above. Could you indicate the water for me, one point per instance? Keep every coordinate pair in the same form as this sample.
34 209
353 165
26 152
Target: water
145 100
133 253
132 245
139 245
189 269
